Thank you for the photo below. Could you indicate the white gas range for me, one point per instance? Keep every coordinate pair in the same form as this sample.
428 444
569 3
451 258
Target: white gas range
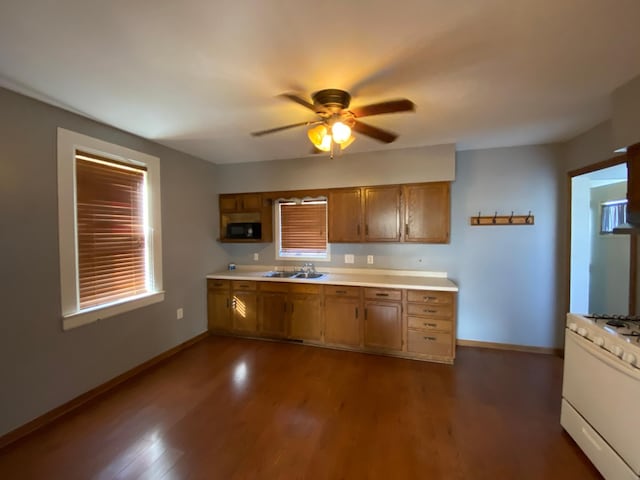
601 391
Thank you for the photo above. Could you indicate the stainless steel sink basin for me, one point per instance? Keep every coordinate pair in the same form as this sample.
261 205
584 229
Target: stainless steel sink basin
301 275
280 274
309 275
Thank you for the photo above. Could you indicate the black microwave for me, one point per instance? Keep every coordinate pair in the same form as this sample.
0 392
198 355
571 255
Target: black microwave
244 230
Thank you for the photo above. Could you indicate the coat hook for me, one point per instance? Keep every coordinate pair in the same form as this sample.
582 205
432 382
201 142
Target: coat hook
528 219
495 218
511 217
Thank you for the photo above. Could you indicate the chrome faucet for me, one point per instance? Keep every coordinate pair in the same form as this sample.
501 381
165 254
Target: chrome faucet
308 268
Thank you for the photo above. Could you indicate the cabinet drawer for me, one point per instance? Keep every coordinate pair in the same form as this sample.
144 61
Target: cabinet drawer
429 343
243 285
428 324
273 287
304 288
340 291
215 284
434 311
383 294
429 296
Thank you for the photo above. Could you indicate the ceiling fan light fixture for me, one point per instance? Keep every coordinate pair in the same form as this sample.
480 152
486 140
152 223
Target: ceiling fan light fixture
320 137
340 132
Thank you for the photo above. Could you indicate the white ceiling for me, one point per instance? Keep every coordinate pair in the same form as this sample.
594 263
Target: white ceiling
199 75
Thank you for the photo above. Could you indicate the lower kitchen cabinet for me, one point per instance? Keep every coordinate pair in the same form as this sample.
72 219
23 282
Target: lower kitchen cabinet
244 307
218 305
431 324
383 319
418 324
272 309
305 314
343 314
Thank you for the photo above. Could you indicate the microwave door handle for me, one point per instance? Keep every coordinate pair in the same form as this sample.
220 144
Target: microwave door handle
604 356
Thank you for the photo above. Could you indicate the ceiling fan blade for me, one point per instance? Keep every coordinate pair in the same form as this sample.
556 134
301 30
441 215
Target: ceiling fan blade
392 106
299 100
374 132
285 127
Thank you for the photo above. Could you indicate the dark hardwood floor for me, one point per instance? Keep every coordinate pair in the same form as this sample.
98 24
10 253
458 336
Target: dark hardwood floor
242 409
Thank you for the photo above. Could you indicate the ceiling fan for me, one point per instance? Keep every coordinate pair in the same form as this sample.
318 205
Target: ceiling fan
337 120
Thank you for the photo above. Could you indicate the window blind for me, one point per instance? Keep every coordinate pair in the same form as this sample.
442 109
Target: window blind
613 214
303 227
110 228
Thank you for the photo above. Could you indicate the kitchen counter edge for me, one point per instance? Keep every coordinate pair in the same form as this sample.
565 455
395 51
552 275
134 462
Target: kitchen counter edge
350 279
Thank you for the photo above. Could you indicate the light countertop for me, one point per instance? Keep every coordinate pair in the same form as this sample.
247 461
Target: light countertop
410 279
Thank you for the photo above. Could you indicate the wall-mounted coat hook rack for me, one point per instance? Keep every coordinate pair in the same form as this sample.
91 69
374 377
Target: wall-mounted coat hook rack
496 219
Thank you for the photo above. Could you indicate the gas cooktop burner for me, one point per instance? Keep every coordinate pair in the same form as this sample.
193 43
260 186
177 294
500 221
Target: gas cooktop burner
614 320
616 323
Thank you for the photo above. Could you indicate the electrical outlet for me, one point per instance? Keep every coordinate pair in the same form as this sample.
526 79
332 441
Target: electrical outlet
348 258
370 259
256 257
179 314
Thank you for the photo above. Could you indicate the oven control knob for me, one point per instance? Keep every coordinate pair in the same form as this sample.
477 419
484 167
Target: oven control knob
617 351
599 341
630 358
582 332
573 326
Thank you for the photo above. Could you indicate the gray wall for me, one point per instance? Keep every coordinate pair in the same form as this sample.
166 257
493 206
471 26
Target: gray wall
41 366
507 275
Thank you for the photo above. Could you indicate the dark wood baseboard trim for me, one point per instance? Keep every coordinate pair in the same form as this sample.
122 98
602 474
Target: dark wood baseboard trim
508 346
92 394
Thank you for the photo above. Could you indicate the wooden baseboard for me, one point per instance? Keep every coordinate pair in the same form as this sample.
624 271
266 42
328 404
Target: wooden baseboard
92 394
508 346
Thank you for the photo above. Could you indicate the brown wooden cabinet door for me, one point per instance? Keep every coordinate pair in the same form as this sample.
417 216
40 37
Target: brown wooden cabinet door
382 214
305 317
245 312
273 314
427 208
343 321
249 202
633 184
345 215
218 310
227 203
383 325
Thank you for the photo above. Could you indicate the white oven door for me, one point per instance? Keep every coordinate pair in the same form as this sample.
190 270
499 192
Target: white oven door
605 391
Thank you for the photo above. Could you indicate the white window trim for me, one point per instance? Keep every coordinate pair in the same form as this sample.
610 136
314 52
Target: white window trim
68 143
297 258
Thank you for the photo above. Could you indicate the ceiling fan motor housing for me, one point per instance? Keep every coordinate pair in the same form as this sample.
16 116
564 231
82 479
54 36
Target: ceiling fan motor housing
332 99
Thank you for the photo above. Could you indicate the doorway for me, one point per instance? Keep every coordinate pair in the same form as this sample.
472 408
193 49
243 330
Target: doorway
602 252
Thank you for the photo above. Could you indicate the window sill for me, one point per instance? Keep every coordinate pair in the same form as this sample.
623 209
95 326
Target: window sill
84 317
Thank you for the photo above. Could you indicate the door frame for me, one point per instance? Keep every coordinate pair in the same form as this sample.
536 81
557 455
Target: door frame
633 241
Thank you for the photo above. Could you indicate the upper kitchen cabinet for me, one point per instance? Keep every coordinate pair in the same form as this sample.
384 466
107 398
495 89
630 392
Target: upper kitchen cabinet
382 214
427 209
241 202
245 217
633 185
345 215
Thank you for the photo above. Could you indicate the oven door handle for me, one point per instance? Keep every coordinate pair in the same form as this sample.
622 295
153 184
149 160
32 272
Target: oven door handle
604 355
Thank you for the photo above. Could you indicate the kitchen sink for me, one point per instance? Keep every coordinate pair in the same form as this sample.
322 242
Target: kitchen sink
310 276
280 274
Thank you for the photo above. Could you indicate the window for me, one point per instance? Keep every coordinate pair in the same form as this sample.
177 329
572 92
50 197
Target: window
301 229
109 224
612 214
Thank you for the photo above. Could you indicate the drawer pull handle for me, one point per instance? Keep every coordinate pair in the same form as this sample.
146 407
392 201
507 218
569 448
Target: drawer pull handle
426 310
338 292
430 299
433 325
432 339
382 294
356 312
